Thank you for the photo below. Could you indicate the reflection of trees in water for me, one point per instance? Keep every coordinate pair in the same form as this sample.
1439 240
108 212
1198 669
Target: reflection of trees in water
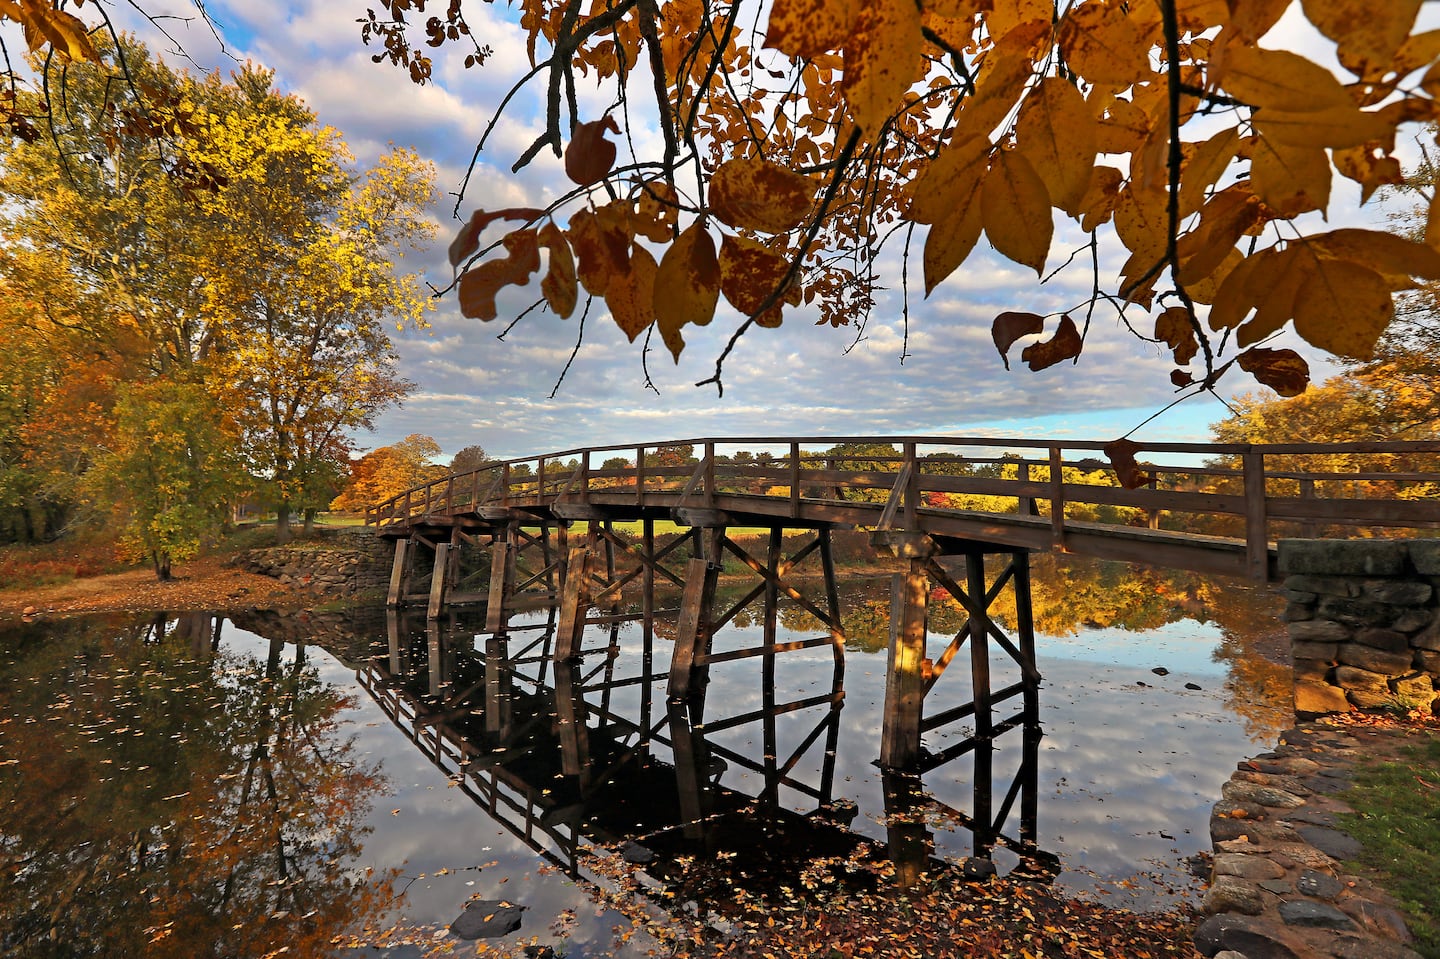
164 798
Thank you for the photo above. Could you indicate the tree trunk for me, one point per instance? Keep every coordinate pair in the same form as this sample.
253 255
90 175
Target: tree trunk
309 520
282 523
162 566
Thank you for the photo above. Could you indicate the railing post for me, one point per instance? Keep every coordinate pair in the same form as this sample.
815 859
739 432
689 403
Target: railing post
540 482
912 488
1257 544
505 485
1057 499
585 476
794 479
1308 527
639 475
709 474
1152 515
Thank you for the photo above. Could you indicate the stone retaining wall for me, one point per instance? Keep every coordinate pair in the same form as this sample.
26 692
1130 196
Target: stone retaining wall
344 562
1364 629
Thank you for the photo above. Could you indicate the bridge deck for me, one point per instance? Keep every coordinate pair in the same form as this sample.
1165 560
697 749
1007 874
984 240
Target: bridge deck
1219 513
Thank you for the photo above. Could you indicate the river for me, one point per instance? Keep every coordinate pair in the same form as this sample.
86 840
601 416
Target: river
235 785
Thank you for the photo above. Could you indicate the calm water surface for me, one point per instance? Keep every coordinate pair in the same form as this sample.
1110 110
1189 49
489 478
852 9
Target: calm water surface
202 785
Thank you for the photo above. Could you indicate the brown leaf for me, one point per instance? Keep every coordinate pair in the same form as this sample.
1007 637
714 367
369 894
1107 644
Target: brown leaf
1104 44
480 284
1121 454
601 244
657 212
467 241
1181 378
631 294
753 194
808 28
1284 371
1066 344
1009 327
589 155
749 274
1174 329
1290 180
559 285
687 285
1370 166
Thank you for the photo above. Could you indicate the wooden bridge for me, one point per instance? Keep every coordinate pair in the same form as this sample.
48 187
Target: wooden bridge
928 501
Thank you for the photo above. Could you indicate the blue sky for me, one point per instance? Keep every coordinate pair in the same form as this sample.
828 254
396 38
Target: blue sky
800 379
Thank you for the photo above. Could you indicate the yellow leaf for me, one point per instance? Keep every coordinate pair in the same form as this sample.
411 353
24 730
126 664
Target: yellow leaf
1273 291
1343 307
1142 220
1174 329
949 242
750 275
687 285
1139 275
1056 133
1205 167
559 285
1001 82
601 244
1291 180
1366 34
1368 165
1226 218
808 28
1098 204
883 57
1233 300
1104 44
1015 208
1280 80
753 194
1335 127
1197 16
1419 50
956 32
1204 291
631 294
1252 19
1384 252
949 180
657 211
1007 15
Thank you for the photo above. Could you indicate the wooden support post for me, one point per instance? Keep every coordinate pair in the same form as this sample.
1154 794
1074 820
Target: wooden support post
647 617
1025 632
436 657
398 571
392 635
904 682
572 730
692 631
984 707
688 748
1257 543
1057 499
439 579
573 605
1308 528
909 839
497 685
502 564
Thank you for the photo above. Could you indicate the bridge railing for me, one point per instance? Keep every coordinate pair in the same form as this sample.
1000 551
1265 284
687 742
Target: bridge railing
1249 492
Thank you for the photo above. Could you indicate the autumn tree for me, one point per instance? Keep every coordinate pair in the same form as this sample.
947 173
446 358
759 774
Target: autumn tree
470 458
242 251
806 152
389 471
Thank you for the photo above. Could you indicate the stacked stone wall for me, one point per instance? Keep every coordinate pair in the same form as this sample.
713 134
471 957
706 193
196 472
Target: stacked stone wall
346 562
1364 620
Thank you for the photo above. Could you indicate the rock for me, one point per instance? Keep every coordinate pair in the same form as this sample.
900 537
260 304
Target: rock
1318 631
487 919
1298 612
1319 885
1387 640
1253 868
1280 887
1290 784
1160 671
1376 660
1243 792
1322 586
636 854
1397 592
1377 918
1232 894
974 867
1356 612
1249 937
1332 842
1355 947
1330 557
1314 915
1193 687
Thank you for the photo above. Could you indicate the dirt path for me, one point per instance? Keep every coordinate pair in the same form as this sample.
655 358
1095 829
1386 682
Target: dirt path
204 583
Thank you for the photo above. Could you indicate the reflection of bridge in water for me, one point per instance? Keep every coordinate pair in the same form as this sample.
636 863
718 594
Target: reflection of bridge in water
549 751
963 516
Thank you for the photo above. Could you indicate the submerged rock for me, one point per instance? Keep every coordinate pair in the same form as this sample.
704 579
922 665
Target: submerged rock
487 919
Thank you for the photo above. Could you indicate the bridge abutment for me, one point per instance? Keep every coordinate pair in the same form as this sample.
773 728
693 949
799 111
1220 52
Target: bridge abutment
1364 623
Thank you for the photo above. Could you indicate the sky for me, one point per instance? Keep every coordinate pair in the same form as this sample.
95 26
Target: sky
474 388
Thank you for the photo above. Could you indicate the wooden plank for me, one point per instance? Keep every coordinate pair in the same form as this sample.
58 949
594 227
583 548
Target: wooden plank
397 574
904 693
708 659
438 580
1257 556
1056 496
1354 512
570 631
500 564
692 629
